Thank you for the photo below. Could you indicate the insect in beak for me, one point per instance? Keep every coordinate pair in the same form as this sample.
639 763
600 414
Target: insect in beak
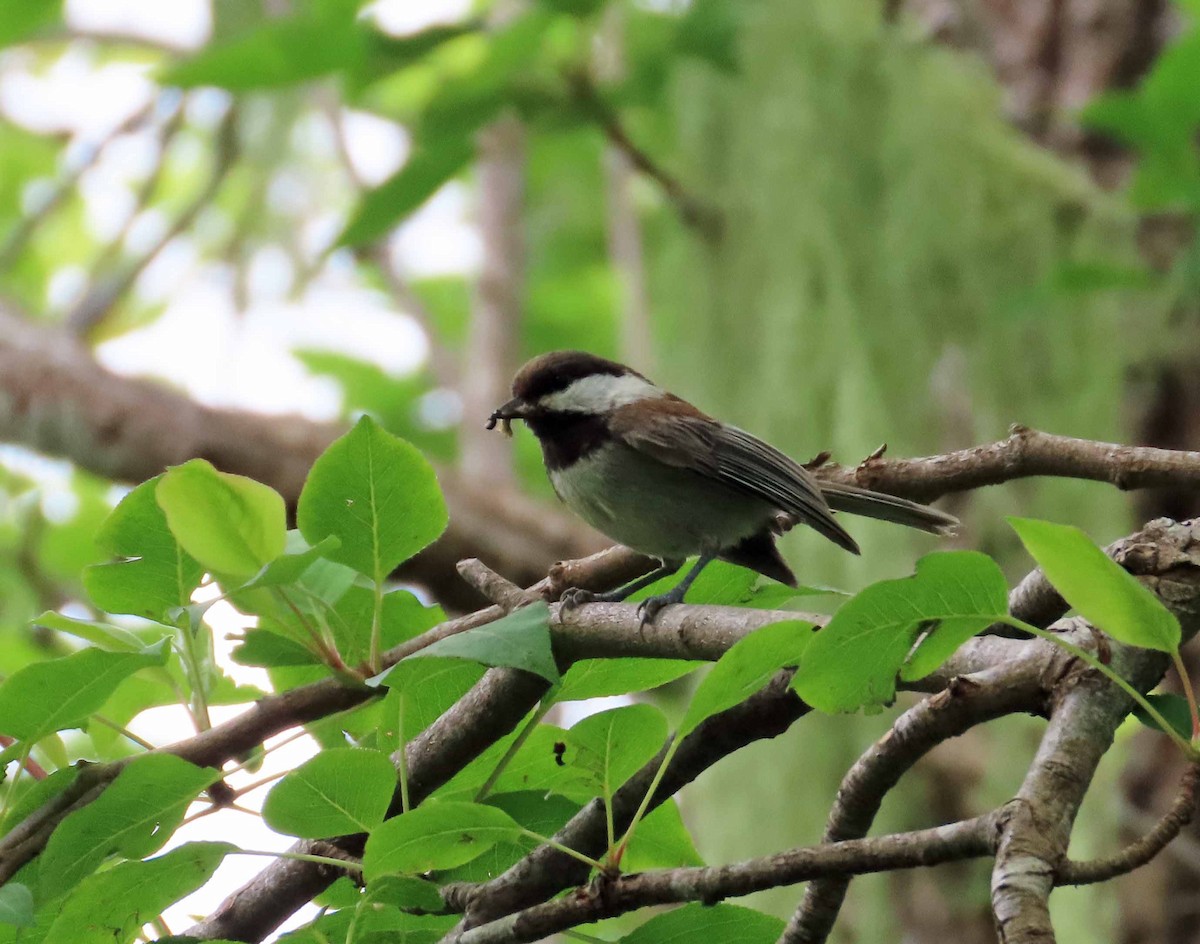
514 409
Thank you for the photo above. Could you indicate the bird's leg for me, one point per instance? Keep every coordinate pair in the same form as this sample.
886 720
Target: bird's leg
577 596
650 607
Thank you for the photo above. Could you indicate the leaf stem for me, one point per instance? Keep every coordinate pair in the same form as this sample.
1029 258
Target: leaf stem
522 736
402 757
614 855
1186 681
376 627
11 791
191 661
324 648
1184 745
580 936
565 850
124 732
302 857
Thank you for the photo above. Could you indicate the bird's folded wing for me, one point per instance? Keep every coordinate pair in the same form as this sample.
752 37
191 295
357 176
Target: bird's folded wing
677 434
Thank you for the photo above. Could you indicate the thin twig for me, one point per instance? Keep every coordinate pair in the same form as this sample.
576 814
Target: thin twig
1138 853
504 593
693 211
103 296
28 226
964 704
610 897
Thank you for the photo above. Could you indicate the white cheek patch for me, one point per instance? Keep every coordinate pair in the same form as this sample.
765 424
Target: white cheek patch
599 393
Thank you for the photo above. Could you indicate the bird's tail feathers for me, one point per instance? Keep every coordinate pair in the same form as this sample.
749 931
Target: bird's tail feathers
861 501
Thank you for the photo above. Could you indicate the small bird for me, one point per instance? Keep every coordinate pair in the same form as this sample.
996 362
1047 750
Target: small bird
654 473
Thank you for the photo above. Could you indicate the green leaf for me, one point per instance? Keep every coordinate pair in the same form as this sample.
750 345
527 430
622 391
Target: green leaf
61 693
574 7
21 19
538 765
290 567
391 53
377 495
279 52
609 747
424 689
37 794
269 650
16 905
729 924
854 660
661 842
468 99
429 166
437 835
406 893
520 640
1101 590
112 907
370 925
133 817
156 575
709 31
745 668
104 635
536 811
231 524
1174 708
601 678
340 791
403 616
720 583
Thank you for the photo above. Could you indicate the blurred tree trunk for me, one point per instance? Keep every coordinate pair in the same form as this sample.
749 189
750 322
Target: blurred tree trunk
492 349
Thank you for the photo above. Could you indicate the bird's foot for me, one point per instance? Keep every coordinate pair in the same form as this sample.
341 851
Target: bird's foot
650 607
577 596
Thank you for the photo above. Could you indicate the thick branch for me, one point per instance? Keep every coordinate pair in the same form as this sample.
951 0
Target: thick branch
56 399
1160 553
1037 829
605 899
493 340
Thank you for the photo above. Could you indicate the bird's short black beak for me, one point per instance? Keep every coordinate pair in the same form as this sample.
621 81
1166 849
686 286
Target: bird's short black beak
514 409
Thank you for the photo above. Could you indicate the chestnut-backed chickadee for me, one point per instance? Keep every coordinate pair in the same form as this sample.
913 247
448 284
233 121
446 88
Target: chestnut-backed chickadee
656 474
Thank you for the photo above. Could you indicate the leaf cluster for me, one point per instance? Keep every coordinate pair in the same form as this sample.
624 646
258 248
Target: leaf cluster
324 606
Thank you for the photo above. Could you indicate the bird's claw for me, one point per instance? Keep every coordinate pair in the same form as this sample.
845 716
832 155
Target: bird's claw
577 596
650 607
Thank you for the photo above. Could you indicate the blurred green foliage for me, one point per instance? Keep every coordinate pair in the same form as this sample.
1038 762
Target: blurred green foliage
894 262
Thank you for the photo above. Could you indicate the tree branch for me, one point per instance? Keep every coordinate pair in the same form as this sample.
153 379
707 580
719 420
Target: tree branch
1025 453
607 898
55 398
1138 853
965 703
694 212
106 292
1037 828
1027 663
493 341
